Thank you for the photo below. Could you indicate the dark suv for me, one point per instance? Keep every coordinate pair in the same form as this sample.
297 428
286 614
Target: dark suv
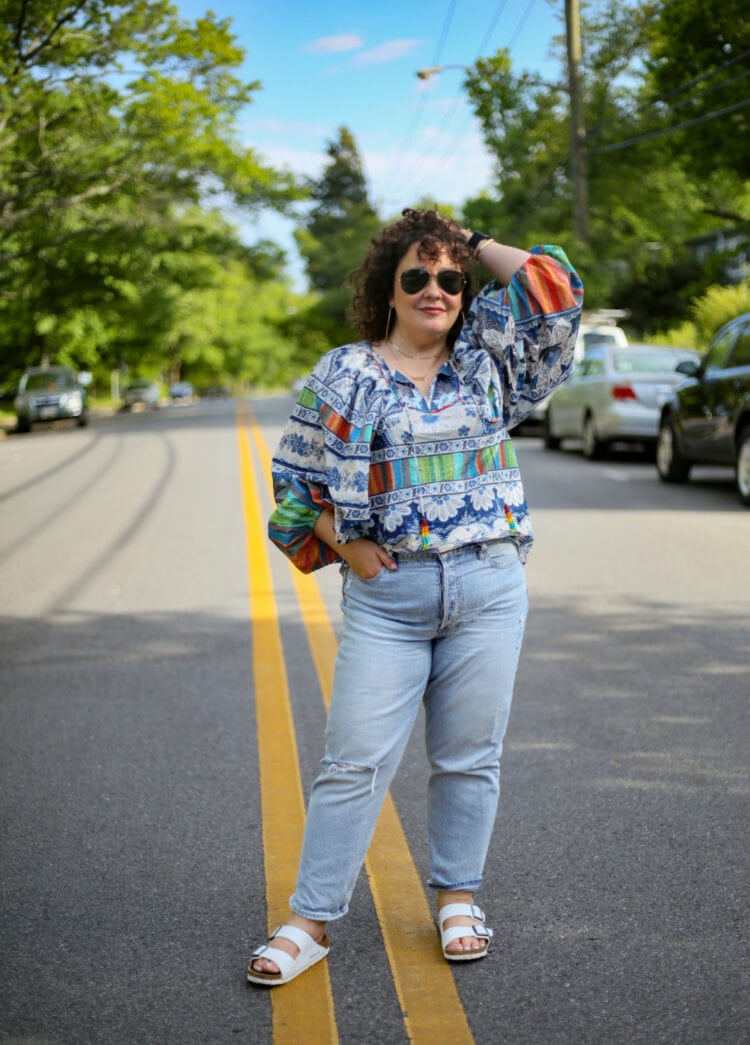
706 420
48 394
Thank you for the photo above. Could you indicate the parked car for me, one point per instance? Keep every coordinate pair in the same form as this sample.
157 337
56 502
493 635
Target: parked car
589 335
707 419
614 394
181 390
141 392
49 394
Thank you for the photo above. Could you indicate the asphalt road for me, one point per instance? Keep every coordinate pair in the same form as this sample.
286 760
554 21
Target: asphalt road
132 875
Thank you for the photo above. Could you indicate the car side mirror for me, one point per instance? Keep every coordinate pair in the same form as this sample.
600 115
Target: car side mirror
688 367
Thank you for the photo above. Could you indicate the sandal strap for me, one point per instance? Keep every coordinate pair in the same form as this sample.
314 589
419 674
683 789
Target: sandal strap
298 936
283 959
458 932
466 910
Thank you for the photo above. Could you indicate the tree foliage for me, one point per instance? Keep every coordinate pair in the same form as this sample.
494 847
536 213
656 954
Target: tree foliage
117 129
697 70
335 234
119 154
656 77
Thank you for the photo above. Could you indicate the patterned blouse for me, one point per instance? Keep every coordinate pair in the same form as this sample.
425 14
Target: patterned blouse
427 473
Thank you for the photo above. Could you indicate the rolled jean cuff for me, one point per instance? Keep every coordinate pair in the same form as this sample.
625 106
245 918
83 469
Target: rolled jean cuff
316 916
469 887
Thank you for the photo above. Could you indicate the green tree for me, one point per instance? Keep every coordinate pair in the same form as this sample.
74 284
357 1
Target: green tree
335 234
647 195
116 120
697 79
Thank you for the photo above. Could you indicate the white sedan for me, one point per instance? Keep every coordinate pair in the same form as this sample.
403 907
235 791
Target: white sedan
614 395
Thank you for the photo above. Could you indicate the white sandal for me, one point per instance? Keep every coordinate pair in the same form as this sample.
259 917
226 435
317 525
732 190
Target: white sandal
310 952
456 932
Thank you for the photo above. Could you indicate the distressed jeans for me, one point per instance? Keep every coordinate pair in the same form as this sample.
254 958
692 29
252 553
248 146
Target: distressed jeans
444 629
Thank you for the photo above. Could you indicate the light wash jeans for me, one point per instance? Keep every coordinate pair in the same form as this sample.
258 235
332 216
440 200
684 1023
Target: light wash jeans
445 628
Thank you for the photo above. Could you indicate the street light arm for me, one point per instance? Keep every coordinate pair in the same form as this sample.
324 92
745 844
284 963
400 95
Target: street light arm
530 81
429 71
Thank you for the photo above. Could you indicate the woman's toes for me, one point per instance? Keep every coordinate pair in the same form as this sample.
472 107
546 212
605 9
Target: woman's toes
266 965
463 943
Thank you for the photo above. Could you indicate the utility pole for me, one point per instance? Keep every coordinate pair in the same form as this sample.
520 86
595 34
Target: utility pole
577 128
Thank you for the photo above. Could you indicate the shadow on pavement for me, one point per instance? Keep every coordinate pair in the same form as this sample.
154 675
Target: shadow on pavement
132 863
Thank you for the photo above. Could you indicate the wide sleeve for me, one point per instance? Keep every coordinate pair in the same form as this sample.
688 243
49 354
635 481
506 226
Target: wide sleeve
322 461
529 328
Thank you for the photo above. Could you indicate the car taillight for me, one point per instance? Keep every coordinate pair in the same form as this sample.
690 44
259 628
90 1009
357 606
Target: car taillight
623 392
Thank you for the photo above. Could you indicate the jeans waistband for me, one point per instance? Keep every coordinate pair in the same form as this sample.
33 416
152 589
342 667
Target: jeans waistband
477 548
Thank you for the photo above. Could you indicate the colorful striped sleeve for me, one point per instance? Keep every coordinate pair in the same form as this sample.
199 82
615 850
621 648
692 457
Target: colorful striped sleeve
291 525
547 285
529 328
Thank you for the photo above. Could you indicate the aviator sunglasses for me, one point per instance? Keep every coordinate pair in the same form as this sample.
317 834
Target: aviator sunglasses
452 281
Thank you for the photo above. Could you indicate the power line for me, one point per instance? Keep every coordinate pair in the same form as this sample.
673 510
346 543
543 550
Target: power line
454 144
414 124
521 23
444 32
703 76
644 106
421 105
491 28
615 146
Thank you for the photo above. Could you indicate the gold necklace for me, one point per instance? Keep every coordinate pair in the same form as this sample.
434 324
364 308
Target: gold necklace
410 355
427 373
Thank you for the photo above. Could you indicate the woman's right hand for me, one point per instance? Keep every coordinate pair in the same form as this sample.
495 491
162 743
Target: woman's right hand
366 558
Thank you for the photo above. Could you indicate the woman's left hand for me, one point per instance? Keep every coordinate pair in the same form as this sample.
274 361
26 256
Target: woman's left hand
366 558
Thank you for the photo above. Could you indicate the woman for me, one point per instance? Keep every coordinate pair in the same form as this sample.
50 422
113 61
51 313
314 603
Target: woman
397 464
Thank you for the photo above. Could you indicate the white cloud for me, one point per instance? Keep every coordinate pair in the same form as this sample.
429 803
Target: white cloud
386 52
334 44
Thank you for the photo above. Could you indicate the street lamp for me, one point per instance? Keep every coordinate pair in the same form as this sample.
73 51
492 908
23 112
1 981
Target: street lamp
430 70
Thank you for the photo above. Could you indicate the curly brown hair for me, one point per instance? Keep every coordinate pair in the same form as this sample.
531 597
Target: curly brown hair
373 280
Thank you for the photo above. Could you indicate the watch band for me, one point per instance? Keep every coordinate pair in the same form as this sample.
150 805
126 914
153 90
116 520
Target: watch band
475 239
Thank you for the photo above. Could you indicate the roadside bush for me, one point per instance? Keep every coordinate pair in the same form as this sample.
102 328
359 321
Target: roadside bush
711 311
717 306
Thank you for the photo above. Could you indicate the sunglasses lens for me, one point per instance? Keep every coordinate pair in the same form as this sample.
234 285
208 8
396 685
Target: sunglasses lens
414 280
450 280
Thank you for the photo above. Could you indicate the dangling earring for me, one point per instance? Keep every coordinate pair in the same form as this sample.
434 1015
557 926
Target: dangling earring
388 322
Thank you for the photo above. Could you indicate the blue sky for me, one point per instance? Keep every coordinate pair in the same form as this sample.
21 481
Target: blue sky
330 63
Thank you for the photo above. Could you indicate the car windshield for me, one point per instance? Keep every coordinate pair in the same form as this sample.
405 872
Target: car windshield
48 382
630 362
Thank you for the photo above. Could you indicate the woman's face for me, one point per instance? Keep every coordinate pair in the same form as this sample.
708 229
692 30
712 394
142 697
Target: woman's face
428 315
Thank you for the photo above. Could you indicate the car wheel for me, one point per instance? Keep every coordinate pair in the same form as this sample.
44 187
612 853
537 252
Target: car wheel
670 464
23 425
551 442
742 468
82 420
591 445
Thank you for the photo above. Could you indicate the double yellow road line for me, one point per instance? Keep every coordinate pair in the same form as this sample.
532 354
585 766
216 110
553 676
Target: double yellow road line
304 1011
